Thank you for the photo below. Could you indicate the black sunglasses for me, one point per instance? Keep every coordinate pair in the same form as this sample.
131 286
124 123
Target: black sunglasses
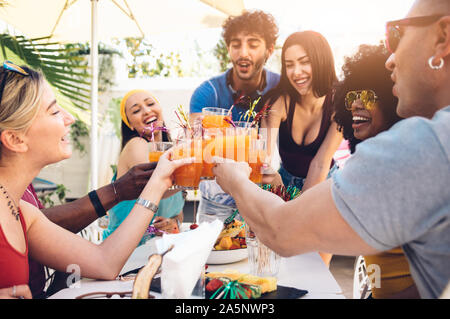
8 66
394 32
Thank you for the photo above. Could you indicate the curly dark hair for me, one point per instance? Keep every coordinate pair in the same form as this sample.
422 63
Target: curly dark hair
255 21
365 70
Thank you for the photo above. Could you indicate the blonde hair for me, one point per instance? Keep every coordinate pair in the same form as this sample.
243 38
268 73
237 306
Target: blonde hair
21 99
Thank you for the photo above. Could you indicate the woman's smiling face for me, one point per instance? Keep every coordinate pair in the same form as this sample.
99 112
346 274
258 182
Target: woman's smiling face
50 130
142 110
367 123
298 68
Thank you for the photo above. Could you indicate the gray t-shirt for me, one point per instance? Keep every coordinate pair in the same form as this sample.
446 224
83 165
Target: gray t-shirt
395 191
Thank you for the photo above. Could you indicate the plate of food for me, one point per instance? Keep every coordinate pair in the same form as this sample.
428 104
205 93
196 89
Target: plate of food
230 245
231 284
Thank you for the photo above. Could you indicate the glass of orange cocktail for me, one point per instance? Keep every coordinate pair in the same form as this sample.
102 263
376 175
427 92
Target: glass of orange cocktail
245 132
232 143
188 176
209 150
214 123
156 149
257 159
227 143
215 117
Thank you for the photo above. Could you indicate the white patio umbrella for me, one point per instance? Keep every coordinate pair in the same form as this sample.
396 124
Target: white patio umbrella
67 21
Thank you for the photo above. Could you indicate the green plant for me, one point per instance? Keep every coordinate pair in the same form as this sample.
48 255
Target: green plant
221 53
78 130
61 69
60 192
106 71
113 115
147 63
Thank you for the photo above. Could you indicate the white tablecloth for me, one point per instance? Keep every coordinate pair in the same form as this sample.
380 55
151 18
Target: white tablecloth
306 271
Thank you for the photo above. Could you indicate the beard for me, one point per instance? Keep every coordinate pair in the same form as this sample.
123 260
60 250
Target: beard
255 68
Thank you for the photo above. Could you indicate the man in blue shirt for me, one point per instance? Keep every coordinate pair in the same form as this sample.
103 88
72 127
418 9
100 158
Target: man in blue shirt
250 40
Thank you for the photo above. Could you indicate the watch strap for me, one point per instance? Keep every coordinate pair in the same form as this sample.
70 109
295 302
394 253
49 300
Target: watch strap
99 209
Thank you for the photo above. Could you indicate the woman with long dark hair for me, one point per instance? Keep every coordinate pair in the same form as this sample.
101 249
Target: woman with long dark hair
301 112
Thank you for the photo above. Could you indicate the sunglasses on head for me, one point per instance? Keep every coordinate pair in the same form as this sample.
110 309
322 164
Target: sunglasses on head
367 97
394 30
8 66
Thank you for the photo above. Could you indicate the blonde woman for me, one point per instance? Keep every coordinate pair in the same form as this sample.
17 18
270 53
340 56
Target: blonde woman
34 133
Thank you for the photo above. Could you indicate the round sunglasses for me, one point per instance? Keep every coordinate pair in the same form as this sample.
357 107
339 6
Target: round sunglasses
367 97
394 31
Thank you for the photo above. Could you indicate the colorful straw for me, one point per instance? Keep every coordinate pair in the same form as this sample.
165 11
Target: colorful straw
183 117
260 114
150 130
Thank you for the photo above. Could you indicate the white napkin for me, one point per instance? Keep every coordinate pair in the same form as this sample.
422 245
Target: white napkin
182 266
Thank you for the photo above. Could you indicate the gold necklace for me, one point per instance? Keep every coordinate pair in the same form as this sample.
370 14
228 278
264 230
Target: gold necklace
11 203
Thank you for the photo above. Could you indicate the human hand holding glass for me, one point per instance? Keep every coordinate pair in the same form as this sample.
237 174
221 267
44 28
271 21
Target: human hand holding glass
188 176
167 164
229 172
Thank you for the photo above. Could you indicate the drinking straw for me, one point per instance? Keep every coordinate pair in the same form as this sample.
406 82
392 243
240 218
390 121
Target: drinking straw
260 114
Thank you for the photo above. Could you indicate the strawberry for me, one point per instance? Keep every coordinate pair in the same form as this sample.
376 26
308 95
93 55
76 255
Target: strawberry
213 285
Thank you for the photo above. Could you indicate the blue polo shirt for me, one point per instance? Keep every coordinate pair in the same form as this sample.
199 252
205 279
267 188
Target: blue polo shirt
216 92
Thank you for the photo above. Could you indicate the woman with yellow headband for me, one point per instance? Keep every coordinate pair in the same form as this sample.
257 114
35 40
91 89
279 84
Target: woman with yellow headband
140 110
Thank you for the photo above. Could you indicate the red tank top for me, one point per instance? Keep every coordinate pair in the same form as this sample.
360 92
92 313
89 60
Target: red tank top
37 271
13 264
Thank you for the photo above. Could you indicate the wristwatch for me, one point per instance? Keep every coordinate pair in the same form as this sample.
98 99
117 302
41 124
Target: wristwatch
147 204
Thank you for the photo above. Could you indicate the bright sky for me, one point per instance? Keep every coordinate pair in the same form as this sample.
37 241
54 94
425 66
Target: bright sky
345 24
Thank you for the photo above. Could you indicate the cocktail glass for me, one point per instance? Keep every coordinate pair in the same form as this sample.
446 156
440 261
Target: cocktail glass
156 149
215 117
188 176
262 260
257 159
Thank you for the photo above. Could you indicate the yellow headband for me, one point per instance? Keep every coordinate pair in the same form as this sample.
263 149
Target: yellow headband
124 101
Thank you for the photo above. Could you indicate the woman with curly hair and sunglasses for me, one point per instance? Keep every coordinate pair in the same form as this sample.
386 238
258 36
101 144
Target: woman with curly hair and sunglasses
365 106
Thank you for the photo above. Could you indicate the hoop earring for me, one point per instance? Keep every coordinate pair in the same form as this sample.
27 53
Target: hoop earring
435 67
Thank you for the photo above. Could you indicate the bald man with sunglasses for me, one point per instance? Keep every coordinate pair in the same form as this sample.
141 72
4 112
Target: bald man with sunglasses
395 189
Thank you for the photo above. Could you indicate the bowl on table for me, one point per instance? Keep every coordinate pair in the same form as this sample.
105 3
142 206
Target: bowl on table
218 257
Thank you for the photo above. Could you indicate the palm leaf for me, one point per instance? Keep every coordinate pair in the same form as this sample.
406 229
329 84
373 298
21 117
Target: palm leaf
61 68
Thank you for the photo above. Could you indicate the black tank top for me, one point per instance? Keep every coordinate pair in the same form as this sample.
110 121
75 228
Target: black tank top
297 158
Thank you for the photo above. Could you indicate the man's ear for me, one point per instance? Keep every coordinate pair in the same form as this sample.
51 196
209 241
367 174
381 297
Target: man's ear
270 51
442 48
13 141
